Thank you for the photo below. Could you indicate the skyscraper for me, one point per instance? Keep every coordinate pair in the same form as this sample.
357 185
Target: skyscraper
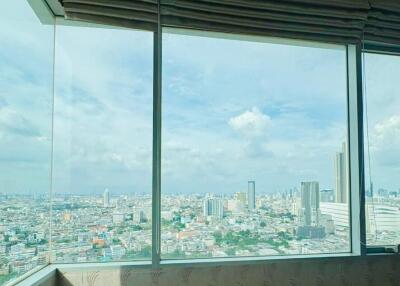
341 175
251 195
213 207
327 196
106 198
310 213
370 192
310 203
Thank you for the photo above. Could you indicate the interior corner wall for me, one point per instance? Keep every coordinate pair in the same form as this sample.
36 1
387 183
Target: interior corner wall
354 271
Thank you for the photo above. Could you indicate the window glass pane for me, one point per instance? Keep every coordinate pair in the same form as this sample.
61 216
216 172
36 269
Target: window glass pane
26 77
382 149
254 148
103 143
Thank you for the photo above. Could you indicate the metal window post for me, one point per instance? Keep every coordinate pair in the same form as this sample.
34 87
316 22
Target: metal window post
356 149
156 174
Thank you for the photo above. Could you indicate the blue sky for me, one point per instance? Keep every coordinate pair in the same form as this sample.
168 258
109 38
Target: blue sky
233 111
250 111
383 99
103 110
25 99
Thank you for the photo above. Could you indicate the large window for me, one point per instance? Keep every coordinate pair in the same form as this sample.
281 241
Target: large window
255 144
382 149
76 141
255 156
26 77
102 144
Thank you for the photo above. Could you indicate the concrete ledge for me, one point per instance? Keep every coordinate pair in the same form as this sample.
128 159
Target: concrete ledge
44 277
377 269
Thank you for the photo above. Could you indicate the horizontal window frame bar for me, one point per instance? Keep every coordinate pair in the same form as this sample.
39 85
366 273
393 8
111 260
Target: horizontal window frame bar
202 262
381 49
61 21
384 249
102 265
252 38
254 259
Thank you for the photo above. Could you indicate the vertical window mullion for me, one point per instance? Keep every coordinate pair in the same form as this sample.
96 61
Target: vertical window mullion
156 174
356 149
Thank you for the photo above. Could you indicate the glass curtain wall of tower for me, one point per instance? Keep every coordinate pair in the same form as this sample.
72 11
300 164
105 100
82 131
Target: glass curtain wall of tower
244 113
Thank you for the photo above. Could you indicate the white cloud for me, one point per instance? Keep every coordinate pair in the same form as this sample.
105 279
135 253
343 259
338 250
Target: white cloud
13 122
385 143
251 123
388 129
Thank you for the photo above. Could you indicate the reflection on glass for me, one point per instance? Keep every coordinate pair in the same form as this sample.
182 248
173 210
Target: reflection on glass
382 149
26 76
254 149
102 145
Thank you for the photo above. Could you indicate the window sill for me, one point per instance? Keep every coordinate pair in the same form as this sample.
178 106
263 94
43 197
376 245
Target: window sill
49 272
36 276
252 260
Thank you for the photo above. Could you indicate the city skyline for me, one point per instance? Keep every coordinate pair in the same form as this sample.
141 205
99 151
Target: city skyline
340 190
111 227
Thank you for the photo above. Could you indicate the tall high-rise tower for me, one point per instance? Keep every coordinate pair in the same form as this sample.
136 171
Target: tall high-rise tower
213 207
251 195
106 198
341 175
310 203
